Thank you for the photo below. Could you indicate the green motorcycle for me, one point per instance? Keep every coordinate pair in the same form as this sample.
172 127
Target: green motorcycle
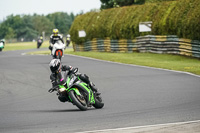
77 92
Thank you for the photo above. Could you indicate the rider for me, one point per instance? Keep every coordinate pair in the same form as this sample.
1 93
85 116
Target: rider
55 37
3 41
68 39
57 79
40 38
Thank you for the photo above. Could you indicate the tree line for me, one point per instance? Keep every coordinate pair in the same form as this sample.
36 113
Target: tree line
29 27
105 4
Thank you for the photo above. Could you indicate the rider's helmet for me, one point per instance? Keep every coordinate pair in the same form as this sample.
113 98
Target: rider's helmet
55 65
55 32
2 40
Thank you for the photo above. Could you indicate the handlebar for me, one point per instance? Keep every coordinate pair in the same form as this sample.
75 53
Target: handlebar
52 89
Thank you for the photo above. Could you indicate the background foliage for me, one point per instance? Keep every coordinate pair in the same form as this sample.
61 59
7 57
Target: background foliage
169 18
29 27
105 4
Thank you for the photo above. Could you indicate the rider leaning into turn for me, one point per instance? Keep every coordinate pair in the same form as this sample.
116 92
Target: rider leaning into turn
57 78
55 37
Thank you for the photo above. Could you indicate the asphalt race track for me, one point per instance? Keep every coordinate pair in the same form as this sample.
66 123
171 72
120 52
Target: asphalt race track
133 96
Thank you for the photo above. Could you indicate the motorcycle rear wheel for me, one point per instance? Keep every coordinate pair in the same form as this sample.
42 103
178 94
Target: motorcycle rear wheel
78 101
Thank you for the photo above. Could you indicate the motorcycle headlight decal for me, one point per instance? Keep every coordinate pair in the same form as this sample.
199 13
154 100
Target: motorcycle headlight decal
62 89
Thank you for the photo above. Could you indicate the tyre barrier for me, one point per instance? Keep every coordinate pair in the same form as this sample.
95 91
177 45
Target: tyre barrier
169 44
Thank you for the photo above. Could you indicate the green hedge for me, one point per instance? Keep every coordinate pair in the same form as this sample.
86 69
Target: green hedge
181 18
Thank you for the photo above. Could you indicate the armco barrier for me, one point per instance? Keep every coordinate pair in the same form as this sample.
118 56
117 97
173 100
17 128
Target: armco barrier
169 44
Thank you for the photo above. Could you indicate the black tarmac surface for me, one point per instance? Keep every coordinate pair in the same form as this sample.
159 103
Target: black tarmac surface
133 96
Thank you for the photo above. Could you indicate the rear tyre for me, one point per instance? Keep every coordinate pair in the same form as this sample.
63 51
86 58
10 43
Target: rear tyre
78 101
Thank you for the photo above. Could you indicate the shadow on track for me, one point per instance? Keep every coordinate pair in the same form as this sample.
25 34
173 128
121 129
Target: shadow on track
54 111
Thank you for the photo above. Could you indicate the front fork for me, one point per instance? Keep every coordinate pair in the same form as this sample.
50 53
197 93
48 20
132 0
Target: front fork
90 93
83 86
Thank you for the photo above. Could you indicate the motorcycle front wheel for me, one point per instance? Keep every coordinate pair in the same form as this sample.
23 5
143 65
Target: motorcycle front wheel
98 102
79 101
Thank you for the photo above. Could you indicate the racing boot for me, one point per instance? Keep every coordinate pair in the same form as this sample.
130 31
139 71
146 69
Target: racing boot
94 89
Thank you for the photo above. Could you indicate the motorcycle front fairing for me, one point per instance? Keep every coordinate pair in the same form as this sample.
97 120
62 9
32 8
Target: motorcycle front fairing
74 83
58 46
84 87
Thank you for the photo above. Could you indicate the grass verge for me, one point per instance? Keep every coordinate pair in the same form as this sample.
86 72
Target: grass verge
23 45
165 61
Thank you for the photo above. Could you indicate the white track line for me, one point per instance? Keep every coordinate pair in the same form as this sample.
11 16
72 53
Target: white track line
33 54
23 53
137 127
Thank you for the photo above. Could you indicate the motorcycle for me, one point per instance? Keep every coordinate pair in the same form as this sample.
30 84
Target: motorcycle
77 92
58 49
1 45
39 43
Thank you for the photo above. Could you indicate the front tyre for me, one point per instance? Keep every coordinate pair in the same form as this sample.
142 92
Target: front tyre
98 102
59 55
78 101
38 45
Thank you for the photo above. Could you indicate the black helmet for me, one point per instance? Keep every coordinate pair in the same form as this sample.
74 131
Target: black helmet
55 65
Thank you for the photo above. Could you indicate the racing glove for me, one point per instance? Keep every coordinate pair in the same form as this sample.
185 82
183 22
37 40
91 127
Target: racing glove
67 68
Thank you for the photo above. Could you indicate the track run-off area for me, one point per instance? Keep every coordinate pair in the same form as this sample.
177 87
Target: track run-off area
134 96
